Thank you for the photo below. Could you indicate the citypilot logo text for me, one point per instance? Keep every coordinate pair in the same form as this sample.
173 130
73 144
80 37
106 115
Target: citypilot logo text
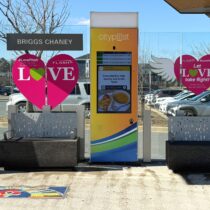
119 37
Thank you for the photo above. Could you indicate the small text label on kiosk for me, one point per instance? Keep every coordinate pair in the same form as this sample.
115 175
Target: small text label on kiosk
113 37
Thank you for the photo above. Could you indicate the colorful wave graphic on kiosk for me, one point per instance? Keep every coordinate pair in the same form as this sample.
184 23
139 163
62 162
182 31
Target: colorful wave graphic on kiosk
120 147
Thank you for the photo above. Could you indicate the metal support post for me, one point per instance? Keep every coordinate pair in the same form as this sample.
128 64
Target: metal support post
147 136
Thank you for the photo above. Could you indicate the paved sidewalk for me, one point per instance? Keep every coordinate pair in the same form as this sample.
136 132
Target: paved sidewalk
4 98
114 188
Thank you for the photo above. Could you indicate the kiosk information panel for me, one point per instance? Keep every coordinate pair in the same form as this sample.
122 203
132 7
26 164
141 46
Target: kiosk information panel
114 92
114 78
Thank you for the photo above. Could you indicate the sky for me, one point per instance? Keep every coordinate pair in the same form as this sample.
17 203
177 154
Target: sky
162 30
154 15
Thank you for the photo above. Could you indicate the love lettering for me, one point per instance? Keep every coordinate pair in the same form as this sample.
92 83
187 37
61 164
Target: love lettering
205 72
67 73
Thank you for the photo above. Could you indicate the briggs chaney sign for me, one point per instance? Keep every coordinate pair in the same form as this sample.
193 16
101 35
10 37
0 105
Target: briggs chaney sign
44 42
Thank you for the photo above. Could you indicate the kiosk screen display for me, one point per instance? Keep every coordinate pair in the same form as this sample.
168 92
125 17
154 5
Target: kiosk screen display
114 82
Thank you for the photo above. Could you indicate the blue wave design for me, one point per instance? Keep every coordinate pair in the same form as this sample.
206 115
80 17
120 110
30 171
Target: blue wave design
116 134
127 153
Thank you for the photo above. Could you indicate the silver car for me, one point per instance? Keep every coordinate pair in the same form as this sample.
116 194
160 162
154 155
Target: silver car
196 106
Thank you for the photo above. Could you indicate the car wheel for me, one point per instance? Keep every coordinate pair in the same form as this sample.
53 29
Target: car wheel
21 107
189 113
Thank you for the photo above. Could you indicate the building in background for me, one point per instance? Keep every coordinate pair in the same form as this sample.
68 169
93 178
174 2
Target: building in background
84 67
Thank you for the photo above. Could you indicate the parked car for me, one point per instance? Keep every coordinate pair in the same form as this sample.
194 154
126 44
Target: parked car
196 106
8 90
181 97
162 100
80 95
149 97
164 93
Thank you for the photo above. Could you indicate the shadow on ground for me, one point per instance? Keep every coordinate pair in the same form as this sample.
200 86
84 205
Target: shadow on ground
196 178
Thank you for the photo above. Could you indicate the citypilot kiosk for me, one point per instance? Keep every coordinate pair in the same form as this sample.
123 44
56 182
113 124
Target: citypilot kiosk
114 87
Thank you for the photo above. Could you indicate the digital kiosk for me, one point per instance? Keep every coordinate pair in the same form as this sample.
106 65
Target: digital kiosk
114 87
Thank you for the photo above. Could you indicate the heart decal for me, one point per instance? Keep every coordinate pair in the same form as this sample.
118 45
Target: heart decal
45 85
62 76
37 74
194 74
32 89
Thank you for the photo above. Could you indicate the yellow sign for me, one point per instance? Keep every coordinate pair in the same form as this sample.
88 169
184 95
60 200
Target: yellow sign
114 94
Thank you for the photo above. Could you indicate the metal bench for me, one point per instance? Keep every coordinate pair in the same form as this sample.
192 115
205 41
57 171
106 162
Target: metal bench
188 145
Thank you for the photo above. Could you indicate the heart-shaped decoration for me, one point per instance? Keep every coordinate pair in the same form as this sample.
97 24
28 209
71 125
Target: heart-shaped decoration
62 76
37 74
29 76
193 74
32 89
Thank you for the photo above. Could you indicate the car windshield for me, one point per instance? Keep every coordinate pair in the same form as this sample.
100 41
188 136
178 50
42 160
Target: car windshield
180 95
188 96
199 96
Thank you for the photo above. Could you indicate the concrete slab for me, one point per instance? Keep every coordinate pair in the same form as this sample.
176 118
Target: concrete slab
115 188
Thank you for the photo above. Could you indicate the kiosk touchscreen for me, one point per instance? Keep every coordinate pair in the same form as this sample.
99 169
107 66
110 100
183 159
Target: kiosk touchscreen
114 82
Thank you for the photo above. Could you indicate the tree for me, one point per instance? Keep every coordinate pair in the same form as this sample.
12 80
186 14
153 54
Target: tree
4 65
34 16
201 49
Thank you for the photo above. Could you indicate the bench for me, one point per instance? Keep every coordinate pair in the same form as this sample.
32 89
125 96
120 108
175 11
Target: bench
188 145
45 139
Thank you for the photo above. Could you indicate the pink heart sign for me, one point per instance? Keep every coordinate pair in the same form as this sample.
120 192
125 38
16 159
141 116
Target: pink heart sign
195 73
62 76
28 73
45 85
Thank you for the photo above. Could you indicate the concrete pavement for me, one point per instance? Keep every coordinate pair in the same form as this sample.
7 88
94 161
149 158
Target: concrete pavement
106 187
4 98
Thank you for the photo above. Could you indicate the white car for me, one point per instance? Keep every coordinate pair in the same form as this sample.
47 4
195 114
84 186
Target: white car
80 95
162 100
149 97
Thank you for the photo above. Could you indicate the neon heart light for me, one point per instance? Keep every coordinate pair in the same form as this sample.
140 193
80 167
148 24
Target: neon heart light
195 74
45 85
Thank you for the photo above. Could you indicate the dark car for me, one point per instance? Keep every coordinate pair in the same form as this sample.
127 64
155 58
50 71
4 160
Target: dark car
8 90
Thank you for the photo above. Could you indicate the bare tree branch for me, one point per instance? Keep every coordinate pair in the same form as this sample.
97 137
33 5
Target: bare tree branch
201 49
33 16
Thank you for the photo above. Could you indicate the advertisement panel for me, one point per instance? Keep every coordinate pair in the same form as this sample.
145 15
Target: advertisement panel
114 78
